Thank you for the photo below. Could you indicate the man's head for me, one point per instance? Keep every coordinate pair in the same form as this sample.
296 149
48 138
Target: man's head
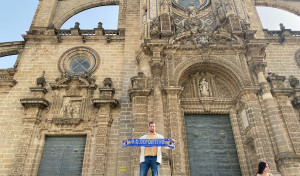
151 127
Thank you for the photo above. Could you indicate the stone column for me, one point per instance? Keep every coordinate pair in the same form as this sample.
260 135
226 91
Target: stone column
103 122
139 98
273 117
33 106
255 133
175 115
286 161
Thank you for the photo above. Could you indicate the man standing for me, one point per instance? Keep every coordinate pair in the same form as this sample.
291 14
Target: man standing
150 156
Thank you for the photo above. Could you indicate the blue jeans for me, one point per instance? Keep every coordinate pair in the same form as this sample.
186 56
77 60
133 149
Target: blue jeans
150 161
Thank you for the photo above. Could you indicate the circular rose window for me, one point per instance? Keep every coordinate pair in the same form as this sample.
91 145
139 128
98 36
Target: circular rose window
78 61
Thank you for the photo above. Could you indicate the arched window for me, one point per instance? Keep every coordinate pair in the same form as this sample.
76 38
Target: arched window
272 17
89 19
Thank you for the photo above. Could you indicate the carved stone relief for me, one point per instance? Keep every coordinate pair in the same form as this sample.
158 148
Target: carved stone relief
212 61
71 107
194 24
203 84
221 9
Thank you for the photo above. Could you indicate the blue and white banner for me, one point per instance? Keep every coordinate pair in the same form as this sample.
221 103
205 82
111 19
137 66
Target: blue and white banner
149 143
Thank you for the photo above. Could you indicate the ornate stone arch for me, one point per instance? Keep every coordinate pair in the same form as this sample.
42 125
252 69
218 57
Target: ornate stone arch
219 65
60 19
283 5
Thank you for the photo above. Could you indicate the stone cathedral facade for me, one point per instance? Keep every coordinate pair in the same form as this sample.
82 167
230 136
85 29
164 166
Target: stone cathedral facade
204 70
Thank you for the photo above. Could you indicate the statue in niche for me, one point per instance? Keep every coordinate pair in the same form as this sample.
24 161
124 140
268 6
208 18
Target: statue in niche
204 89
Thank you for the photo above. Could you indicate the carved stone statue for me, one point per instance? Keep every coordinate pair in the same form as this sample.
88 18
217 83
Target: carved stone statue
204 89
191 10
76 25
100 25
165 7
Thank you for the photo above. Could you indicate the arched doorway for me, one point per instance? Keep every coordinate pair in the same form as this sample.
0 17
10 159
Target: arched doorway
211 129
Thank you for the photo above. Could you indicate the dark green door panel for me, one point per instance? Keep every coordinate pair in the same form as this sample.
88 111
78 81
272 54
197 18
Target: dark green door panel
211 146
62 156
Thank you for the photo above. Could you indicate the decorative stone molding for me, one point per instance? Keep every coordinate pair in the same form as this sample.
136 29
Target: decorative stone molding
68 82
66 121
256 53
258 66
156 68
276 80
287 156
6 78
140 81
36 99
212 61
277 85
139 86
34 102
106 95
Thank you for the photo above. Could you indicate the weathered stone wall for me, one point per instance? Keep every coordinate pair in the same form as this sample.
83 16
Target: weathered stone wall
281 60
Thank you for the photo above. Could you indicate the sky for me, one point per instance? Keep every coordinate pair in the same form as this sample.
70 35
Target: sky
16 17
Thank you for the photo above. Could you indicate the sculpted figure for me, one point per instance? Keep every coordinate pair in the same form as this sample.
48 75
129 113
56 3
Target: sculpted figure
191 10
219 11
204 89
165 7
76 25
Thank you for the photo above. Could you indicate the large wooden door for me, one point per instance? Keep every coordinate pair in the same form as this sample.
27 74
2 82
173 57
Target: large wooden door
62 156
211 146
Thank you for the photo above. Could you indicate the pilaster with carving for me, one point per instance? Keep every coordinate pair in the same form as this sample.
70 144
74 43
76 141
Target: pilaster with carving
105 103
254 133
239 142
33 105
139 96
176 122
157 67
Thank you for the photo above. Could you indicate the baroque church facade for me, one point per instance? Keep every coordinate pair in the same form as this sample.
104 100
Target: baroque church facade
204 70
